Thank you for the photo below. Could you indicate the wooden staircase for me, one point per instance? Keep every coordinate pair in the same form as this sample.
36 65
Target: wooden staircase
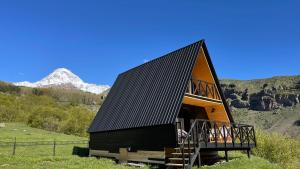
188 151
212 136
179 159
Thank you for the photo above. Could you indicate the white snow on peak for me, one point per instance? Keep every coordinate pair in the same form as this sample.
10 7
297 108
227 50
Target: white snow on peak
63 76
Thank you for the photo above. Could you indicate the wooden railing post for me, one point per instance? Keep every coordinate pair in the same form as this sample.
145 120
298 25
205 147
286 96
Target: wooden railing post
190 86
206 134
232 135
213 91
216 137
188 149
241 135
206 89
248 137
197 134
225 136
254 135
199 87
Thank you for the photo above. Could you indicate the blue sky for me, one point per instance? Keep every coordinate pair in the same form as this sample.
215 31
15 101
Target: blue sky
97 40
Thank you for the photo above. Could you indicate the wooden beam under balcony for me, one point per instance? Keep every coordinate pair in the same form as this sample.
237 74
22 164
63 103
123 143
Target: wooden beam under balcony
200 101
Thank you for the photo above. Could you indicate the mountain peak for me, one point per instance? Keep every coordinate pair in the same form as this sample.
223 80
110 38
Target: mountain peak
63 77
63 70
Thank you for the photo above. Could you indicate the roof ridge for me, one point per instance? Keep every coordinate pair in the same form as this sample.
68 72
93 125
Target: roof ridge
165 55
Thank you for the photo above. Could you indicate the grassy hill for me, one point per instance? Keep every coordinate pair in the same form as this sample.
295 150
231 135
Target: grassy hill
283 120
65 111
40 157
278 97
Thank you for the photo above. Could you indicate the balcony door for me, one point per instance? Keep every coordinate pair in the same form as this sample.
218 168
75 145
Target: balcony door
188 114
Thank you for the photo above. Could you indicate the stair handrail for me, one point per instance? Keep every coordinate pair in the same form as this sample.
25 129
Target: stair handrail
187 138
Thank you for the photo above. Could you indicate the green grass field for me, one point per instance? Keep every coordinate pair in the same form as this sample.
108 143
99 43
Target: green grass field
41 157
24 133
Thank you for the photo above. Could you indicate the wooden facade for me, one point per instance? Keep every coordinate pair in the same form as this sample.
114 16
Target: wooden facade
169 111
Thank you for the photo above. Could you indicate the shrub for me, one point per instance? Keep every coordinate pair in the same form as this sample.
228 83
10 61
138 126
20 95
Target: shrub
37 92
6 87
77 122
278 149
47 118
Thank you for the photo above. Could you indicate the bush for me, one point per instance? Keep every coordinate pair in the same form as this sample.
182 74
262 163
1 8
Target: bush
44 112
77 122
37 92
9 88
46 118
278 149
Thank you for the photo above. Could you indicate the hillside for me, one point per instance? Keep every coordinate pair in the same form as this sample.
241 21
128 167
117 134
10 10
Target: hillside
271 104
40 156
51 109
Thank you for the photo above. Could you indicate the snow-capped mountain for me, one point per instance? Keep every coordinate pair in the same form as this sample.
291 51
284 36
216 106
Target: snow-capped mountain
63 77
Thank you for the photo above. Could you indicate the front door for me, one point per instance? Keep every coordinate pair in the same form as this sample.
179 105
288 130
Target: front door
189 113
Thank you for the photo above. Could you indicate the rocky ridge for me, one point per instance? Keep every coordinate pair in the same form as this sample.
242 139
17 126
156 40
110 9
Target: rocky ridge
268 98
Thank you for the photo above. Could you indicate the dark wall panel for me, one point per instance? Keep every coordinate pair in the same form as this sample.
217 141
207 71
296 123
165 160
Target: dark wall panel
147 138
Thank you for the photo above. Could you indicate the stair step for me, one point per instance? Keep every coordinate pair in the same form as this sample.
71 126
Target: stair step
186 144
177 159
191 149
186 148
180 154
175 165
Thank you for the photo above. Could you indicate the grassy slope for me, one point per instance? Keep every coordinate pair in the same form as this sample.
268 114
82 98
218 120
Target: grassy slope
38 157
24 133
69 162
281 121
241 161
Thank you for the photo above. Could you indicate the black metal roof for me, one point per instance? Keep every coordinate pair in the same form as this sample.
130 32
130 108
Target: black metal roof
150 94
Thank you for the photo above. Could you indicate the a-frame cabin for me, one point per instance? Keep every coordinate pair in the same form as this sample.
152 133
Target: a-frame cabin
170 111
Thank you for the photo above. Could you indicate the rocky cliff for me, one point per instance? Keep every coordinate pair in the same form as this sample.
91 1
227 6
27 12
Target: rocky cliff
265 94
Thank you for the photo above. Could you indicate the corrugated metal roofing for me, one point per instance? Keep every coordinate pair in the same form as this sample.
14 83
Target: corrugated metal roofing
148 95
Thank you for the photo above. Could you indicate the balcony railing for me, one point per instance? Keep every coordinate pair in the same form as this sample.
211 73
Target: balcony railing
218 133
203 89
205 134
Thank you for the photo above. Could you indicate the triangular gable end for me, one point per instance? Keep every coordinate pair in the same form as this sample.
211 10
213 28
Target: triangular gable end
213 101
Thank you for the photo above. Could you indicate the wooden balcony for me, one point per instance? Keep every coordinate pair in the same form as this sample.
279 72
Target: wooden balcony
205 135
203 90
218 135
